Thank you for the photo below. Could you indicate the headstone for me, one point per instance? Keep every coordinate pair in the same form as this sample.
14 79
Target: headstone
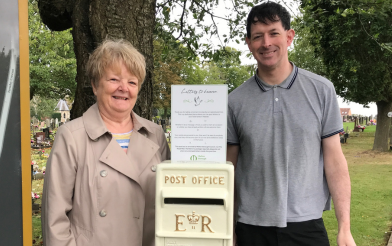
38 176
40 136
35 123
57 123
46 131
47 123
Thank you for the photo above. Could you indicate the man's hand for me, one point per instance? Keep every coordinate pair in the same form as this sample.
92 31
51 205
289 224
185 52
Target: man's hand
345 239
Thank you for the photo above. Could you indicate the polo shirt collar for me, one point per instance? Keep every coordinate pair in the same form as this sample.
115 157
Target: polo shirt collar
286 84
95 127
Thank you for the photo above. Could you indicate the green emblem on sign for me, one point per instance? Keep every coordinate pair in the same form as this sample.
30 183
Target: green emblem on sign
193 158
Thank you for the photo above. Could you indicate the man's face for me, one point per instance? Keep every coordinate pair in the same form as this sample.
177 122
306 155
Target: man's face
269 43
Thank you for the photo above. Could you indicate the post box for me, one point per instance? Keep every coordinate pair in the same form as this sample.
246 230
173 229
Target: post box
194 204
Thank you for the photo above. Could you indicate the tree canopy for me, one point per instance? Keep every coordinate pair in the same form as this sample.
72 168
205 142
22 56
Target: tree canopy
136 21
52 59
352 38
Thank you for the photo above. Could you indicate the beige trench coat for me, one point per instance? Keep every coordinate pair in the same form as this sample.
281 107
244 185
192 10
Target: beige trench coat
95 193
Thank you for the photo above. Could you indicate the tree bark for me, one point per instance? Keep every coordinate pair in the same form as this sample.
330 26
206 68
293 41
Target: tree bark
93 21
383 126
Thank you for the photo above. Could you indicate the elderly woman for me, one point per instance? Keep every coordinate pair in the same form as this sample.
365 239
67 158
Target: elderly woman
100 177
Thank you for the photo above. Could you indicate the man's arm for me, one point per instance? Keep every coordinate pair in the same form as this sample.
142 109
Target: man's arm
232 153
338 179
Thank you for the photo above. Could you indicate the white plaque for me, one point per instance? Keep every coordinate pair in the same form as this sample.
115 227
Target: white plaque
389 114
199 123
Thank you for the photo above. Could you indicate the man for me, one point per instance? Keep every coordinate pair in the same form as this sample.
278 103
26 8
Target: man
283 126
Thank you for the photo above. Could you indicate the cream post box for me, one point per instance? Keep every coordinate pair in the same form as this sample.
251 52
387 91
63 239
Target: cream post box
194 204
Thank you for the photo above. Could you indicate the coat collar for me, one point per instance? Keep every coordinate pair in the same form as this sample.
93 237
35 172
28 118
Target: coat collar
95 127
141 150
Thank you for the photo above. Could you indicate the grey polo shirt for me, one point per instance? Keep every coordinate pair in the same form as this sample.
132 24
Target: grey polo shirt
280 170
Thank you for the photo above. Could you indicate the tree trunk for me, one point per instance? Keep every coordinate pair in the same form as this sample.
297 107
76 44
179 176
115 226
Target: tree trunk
383 126
83 46
93 21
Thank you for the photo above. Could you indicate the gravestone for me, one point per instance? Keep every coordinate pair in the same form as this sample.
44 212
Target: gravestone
47 123
35 122
40 136
46 131
38 176
56 122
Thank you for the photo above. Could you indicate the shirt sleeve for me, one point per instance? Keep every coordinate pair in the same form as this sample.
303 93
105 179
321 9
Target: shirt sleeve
58 190
232 136
332 122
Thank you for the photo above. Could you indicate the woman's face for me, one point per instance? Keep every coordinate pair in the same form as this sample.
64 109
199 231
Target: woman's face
117 91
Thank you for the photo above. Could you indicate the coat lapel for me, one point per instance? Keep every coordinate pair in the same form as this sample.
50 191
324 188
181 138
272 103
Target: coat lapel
141 150
116 158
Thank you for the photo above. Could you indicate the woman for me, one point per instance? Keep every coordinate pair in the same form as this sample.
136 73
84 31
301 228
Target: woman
100 179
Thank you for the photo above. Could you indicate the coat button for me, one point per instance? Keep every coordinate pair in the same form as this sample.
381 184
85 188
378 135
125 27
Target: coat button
103 173
102 213
154 168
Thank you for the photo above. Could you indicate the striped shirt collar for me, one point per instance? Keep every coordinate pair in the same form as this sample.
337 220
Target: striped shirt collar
286 84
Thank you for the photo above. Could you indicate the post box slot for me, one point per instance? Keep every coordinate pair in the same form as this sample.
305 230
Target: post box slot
194 201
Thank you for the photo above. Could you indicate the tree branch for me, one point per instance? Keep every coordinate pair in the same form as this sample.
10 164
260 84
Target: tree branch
216 27
182 18
363 27
208 12
284 2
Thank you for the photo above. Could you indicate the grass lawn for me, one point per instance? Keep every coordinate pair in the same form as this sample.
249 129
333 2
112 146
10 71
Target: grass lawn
350 126
371 201
40 157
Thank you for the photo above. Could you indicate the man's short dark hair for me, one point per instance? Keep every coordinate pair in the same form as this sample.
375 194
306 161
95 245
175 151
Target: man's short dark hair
266 13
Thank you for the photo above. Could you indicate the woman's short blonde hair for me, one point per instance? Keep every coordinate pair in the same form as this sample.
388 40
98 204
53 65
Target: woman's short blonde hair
109 54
